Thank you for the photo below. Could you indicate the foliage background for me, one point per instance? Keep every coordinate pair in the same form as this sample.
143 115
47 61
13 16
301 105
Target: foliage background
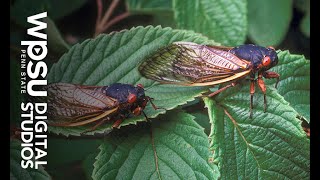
284 24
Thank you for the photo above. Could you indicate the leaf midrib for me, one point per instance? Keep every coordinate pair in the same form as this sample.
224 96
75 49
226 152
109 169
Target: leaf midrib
242 136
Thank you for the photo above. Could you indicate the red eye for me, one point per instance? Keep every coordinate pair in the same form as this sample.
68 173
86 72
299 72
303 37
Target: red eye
132 98
266 61
140 86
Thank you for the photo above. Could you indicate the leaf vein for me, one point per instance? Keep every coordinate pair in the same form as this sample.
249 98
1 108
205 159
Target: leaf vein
102 60
127 72
278 155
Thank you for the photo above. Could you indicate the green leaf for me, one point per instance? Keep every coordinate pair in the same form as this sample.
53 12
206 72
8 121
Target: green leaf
224 21
148 6
55 41
302 5
294 84
17 172
269 21
87 164
305 25
203 120
271 145
160 10
115 58
174 148
65 151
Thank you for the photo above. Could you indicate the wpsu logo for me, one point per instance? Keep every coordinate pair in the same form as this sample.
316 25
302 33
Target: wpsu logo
33 114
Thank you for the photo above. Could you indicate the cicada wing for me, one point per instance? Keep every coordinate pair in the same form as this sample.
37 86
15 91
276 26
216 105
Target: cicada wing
195 45
162 66
87 119
70 103
223 48
193 65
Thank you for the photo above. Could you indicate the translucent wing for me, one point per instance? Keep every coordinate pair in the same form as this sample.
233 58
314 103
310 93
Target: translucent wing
73 105
192 64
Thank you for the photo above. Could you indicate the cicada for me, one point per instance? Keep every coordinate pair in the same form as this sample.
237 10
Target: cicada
72 105
190 64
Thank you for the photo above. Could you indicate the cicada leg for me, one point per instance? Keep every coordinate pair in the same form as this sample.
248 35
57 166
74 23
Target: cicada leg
252 90
271 75
117 123
137 111
145 116
152 104
97 125
263 88
222 89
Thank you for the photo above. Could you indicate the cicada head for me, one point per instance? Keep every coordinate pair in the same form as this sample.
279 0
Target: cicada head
269 60
261 58
140 91
132 100
125 93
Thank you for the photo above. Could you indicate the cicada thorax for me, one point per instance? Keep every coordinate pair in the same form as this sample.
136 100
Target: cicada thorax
260 58
130 98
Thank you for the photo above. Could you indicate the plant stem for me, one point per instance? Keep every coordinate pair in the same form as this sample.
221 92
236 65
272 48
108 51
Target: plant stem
104 23
99 12
116 19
